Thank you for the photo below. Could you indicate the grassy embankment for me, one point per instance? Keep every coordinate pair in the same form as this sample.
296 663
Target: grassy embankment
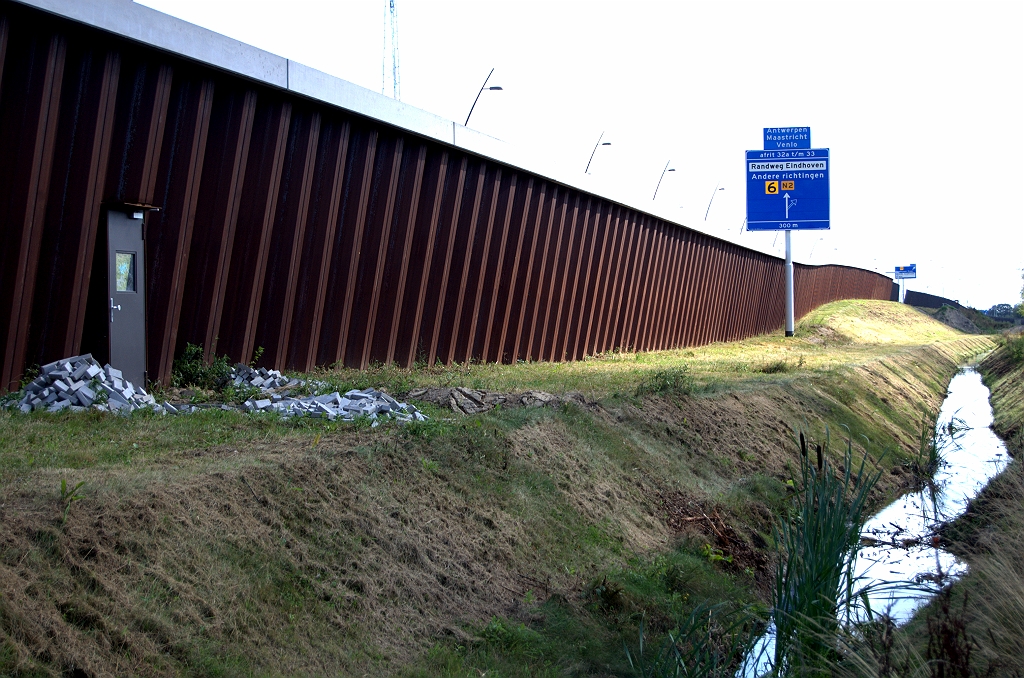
518 542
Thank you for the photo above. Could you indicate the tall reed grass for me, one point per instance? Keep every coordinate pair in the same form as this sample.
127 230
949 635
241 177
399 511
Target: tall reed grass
815 591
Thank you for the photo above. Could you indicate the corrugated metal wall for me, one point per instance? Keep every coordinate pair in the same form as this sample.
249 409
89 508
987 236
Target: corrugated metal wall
323 236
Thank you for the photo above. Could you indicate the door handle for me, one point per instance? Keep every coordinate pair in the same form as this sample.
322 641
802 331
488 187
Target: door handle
113 308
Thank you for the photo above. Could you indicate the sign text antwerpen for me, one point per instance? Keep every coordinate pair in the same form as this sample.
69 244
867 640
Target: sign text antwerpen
780 138
787 190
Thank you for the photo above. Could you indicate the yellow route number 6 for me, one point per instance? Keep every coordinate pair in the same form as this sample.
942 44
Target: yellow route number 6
771 187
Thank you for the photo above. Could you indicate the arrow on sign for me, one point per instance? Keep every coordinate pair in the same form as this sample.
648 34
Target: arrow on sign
789 203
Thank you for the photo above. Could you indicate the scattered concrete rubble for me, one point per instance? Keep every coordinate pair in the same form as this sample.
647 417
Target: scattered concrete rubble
79 383
473 401
355 403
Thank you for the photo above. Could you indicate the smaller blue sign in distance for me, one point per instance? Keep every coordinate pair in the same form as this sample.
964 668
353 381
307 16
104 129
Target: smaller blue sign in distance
779 138
788 190
909 271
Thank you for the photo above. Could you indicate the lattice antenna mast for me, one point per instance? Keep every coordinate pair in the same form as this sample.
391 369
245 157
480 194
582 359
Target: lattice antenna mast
391 78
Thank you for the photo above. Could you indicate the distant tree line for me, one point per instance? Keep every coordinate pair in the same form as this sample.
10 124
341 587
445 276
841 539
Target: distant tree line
1002 311
1008 311
1019 309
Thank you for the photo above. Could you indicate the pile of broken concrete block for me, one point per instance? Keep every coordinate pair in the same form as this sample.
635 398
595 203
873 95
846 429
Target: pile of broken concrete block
79 383
261 378
369 403
276 389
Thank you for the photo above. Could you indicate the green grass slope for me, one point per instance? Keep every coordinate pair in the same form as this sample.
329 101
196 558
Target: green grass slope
518 542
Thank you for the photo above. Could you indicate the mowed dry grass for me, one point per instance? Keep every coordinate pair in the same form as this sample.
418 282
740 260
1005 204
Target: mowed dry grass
843 333
231 544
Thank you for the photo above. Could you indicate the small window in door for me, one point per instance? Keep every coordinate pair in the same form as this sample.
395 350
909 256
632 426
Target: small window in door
124 264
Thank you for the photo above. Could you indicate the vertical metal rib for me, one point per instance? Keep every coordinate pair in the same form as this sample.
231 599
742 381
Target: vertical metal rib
319 249
497 276
28 141
441 287
482 259
401 288
382 250
170 231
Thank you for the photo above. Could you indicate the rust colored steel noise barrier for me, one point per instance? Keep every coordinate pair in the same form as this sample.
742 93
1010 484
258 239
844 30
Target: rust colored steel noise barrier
325 237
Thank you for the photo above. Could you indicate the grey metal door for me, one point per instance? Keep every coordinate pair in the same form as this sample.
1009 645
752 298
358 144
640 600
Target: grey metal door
126 276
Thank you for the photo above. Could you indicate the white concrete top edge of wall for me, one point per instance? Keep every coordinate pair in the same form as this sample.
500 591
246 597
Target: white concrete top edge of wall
165 32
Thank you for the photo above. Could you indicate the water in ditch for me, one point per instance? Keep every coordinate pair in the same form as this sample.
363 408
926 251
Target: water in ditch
900 563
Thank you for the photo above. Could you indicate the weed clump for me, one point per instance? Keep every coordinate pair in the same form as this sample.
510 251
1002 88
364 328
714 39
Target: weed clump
675 381
1015 349
708 643
191 370
928 459
69 496
774 367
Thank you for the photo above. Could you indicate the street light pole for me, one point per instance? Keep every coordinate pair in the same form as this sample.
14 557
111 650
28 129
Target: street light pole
607 143
662 177
717 189
813 247
482 88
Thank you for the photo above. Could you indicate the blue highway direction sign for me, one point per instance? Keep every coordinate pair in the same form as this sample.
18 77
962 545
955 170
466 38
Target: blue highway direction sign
787 190
779 138
909 271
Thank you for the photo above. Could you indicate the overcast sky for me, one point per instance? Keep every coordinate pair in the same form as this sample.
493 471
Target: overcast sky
921 104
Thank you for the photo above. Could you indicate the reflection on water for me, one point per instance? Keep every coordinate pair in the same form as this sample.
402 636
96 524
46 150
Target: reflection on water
901 565
903 562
